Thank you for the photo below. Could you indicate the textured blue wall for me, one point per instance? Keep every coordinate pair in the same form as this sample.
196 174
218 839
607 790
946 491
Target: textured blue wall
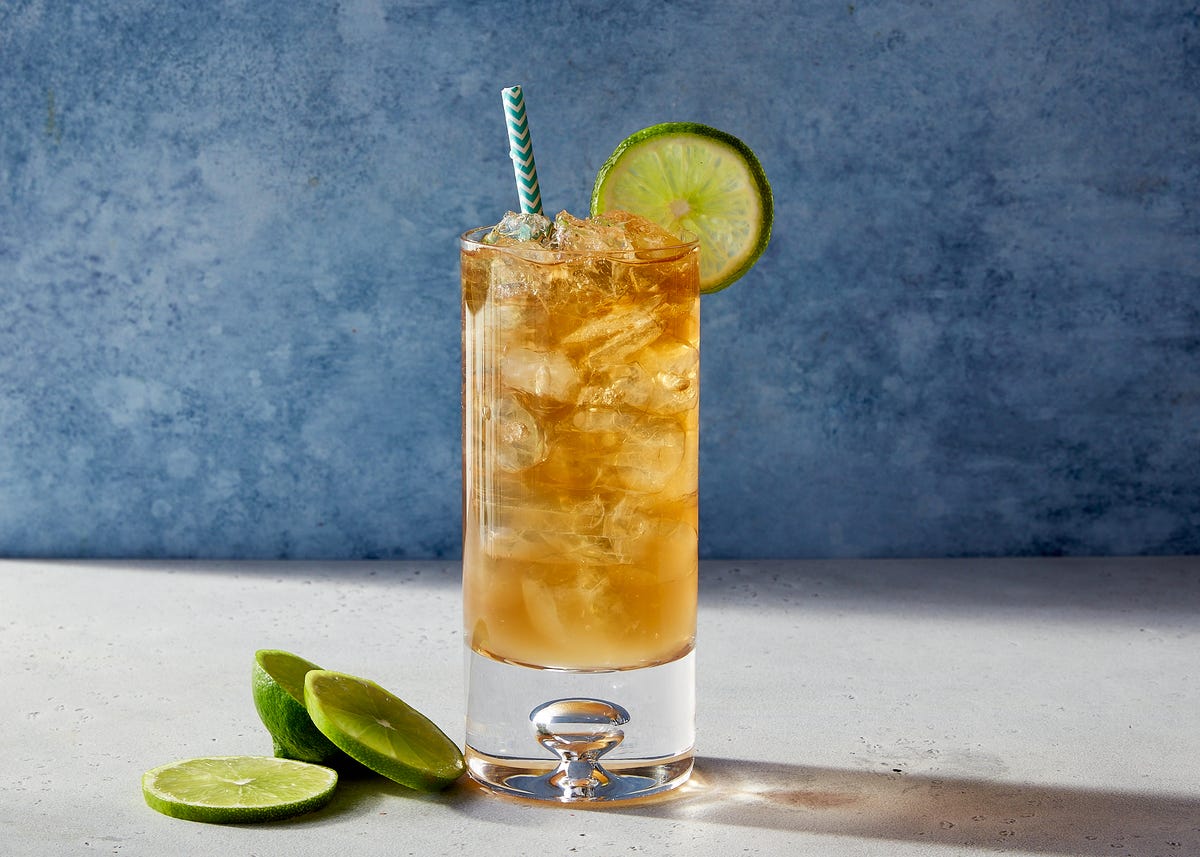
228 274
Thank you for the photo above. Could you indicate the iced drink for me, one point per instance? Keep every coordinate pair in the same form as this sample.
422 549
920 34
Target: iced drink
581 382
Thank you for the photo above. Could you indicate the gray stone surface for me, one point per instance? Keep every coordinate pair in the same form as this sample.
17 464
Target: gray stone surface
868 708
228 277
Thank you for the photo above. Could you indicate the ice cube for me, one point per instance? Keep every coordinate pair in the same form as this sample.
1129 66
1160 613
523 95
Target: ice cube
623 386
650 456
542 530
567 611
521 228
639 531
608 426
514 320
519 441
586 283
672 369
642 234
513 278
640 453
661 379
588 236
616 335
547 375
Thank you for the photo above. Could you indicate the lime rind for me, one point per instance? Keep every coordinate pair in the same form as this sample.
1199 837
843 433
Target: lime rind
238 789
278 684
693 178
380 730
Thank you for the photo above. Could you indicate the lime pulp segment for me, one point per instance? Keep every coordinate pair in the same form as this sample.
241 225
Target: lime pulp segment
692 178
380 730
237 789
286 669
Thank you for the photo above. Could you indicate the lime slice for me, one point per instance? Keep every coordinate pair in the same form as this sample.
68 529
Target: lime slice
690 177
279 700
238 789
381 731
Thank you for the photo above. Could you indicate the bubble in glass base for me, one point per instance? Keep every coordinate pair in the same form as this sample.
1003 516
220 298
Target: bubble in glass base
580 736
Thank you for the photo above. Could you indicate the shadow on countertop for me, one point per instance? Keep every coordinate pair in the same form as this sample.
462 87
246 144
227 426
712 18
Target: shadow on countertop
896 807
942 810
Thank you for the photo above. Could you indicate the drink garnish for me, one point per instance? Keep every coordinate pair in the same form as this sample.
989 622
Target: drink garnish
278 683
691 178
381 731
238 789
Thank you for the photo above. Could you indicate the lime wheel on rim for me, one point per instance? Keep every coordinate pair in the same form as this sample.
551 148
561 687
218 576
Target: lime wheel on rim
693 178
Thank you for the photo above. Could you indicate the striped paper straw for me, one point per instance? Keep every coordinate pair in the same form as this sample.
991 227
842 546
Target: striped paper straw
520 149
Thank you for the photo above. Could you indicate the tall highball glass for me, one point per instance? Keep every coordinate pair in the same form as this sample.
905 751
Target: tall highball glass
580 425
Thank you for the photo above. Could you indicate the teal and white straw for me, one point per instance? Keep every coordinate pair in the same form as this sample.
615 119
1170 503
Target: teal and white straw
520 149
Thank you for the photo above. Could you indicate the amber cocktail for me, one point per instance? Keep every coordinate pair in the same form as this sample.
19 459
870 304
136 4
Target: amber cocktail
581 411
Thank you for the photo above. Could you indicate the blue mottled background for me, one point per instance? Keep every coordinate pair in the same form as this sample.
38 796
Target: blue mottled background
228 275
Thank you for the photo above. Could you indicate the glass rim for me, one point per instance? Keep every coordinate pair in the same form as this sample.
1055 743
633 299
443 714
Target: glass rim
470 240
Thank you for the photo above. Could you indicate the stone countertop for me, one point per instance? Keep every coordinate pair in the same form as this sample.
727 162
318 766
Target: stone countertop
881 707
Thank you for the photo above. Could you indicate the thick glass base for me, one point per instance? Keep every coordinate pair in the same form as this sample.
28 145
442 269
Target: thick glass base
535 779
578 735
